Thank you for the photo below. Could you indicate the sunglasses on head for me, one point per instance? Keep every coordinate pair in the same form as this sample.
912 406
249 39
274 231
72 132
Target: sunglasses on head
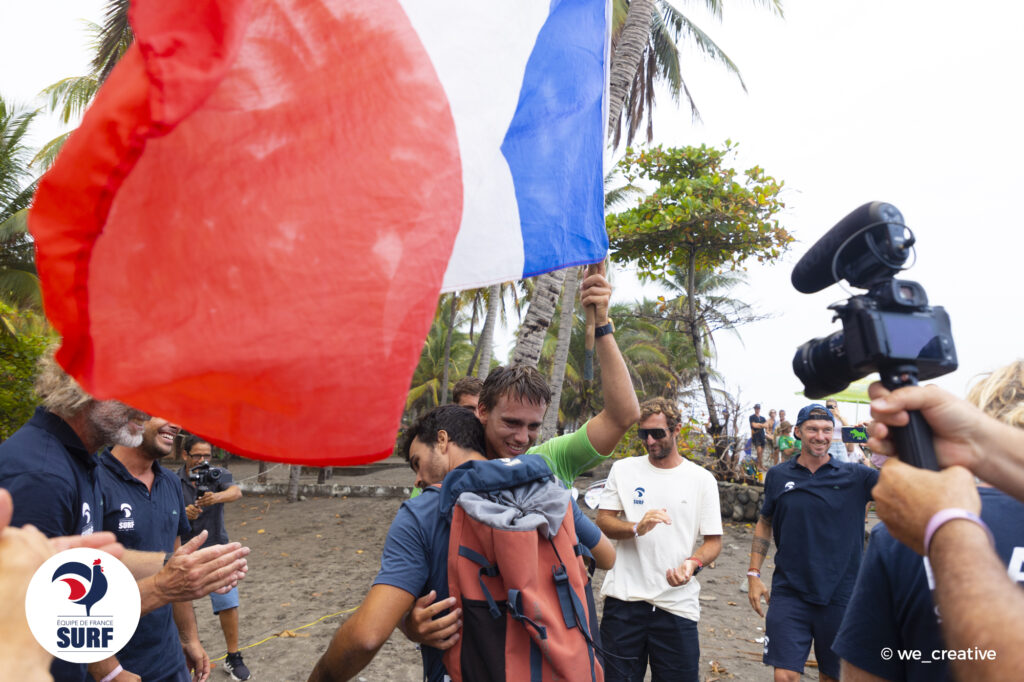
656 434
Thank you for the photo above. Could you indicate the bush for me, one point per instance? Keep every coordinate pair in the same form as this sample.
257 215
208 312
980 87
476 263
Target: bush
24 336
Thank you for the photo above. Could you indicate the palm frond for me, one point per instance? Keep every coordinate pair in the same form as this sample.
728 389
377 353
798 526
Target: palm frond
113 39
14 226
70 97
47 155
20 288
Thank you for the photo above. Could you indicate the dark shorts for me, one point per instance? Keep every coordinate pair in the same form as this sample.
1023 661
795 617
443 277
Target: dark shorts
791 625
758 438
637 633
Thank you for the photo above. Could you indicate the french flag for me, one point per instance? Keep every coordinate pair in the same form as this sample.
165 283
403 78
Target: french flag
248 232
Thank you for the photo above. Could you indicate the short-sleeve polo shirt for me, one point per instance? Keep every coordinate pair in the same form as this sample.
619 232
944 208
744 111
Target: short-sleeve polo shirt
148 520
51 477
818 525
53 481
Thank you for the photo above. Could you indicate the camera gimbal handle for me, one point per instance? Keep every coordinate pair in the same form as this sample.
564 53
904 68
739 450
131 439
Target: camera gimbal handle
914 441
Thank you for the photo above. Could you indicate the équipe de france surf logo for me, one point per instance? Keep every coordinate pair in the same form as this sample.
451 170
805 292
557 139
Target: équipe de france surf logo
82 605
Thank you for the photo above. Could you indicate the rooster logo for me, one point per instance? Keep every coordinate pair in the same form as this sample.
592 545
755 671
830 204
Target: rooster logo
79 593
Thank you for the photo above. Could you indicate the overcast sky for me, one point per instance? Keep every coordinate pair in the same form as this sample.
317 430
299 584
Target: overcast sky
909 102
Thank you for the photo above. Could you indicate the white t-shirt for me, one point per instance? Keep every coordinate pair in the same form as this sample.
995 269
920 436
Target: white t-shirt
690 495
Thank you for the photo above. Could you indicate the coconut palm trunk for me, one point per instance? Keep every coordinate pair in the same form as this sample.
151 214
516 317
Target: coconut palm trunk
530 339
293 482
626 55
696 334
561 359
448 349
486 347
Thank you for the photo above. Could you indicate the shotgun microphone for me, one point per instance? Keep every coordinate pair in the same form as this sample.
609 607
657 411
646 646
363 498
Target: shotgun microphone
869 245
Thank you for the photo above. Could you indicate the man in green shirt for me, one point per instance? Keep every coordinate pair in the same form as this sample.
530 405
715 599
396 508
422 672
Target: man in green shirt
511 408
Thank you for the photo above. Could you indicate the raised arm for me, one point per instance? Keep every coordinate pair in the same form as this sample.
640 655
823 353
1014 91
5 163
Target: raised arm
360 637
621 408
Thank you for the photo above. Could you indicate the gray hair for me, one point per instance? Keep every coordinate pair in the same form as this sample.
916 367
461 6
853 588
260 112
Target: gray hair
58 392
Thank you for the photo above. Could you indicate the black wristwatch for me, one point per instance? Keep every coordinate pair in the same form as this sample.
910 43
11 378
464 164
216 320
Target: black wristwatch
604 329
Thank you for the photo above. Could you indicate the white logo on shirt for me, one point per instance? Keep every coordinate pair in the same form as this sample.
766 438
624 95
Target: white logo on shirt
127 523
789 485
86 519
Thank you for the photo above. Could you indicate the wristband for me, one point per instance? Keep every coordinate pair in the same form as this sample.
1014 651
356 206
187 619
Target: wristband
753 573
941 517
604 330
635 534
698 561
113 673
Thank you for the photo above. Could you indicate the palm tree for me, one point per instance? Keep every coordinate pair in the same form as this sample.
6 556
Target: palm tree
71 96
704 307
425 391
19 284
645 52
561 355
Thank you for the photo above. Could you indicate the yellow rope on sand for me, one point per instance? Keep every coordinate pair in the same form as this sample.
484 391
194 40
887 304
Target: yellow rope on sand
287 633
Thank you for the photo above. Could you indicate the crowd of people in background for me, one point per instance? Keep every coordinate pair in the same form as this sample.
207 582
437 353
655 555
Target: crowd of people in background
769 441
658 525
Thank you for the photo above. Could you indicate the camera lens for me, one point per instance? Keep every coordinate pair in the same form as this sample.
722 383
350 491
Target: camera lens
822 366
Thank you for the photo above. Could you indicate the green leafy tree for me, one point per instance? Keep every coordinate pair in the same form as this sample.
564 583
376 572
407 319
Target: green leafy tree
703 217
24 336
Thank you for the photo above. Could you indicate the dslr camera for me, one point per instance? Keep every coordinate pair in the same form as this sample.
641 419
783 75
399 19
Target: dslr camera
204 477
891 329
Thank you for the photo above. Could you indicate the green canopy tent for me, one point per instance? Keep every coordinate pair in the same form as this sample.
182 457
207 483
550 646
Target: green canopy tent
854 394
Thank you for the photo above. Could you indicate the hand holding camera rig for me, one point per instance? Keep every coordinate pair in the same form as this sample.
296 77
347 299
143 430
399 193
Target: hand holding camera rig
891 329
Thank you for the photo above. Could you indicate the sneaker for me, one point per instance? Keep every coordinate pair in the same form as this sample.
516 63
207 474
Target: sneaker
236 666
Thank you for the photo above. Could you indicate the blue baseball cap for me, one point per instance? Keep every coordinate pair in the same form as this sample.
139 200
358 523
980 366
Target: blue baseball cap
805 414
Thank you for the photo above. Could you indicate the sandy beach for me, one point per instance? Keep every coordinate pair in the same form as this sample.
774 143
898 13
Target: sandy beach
313 561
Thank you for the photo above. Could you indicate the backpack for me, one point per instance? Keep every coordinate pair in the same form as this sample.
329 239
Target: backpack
515 567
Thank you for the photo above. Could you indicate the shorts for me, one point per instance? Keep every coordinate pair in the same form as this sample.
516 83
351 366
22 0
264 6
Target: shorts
635 632
790 626
223 602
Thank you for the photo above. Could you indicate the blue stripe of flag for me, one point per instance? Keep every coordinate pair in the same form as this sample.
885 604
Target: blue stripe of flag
555 143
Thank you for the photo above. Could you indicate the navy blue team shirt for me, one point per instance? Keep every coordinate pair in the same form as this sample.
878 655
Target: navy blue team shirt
52 478
818 525
419 531
54 484
892 602
148 521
